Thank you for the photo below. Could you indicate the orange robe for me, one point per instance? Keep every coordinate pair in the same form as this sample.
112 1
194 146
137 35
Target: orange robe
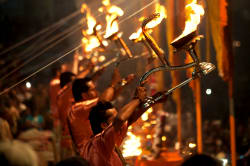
100 150
64 103
53 91
79 123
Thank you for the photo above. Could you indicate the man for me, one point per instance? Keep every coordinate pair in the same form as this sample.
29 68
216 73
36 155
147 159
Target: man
86 96
64 102
109 128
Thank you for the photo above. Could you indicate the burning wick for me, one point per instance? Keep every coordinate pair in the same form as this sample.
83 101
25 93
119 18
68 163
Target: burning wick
112 29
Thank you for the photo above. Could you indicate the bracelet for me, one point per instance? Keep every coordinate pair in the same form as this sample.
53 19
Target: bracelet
148 102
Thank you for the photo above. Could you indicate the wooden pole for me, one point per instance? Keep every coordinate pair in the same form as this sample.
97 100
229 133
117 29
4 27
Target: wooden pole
198 115
232 123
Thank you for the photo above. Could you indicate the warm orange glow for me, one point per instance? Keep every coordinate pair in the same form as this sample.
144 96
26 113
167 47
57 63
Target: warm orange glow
145 115
163 138
148 136
192 145
153 23
90 43
193 17
132 146
101 58
113 12
136 35
112 25
91 22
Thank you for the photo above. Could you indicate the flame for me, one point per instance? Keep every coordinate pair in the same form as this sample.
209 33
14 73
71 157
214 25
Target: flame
101 58
136 35
192 145
193 13
112 26
113 12
132 145
162 11
91 22
90 43
144 116
163 138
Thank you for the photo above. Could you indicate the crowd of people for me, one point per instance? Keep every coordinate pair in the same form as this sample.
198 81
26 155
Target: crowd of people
81 126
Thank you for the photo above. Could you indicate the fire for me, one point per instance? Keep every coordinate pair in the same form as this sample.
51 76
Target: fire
91 22
162 14
90 43
137 35
193 14
132 145
144 116
113 12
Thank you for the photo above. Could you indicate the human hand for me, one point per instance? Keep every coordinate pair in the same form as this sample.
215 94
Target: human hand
140 93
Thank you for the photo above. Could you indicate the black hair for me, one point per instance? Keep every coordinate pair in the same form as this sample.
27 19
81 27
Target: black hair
65 78
73 161
98 115
80 86
201 159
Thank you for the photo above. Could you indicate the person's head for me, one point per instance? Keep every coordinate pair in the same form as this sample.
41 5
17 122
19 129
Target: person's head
101 116
201 159
66 77
73 161
84 89
56 70
16 153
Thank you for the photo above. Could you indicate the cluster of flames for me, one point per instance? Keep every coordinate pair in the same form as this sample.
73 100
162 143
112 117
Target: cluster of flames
90 41
112 13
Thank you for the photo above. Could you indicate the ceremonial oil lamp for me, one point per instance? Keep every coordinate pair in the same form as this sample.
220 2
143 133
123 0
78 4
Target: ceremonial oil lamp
96 28
138 37
186 41
113 34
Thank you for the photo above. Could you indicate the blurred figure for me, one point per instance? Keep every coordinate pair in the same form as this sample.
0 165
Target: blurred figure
201 160
16 153
73 161
64 102
5 132
54 88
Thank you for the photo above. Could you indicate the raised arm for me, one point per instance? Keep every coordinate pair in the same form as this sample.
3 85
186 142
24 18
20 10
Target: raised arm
125 113
117 84
86 71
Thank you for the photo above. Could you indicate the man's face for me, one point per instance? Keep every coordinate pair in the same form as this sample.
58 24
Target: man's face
92 92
